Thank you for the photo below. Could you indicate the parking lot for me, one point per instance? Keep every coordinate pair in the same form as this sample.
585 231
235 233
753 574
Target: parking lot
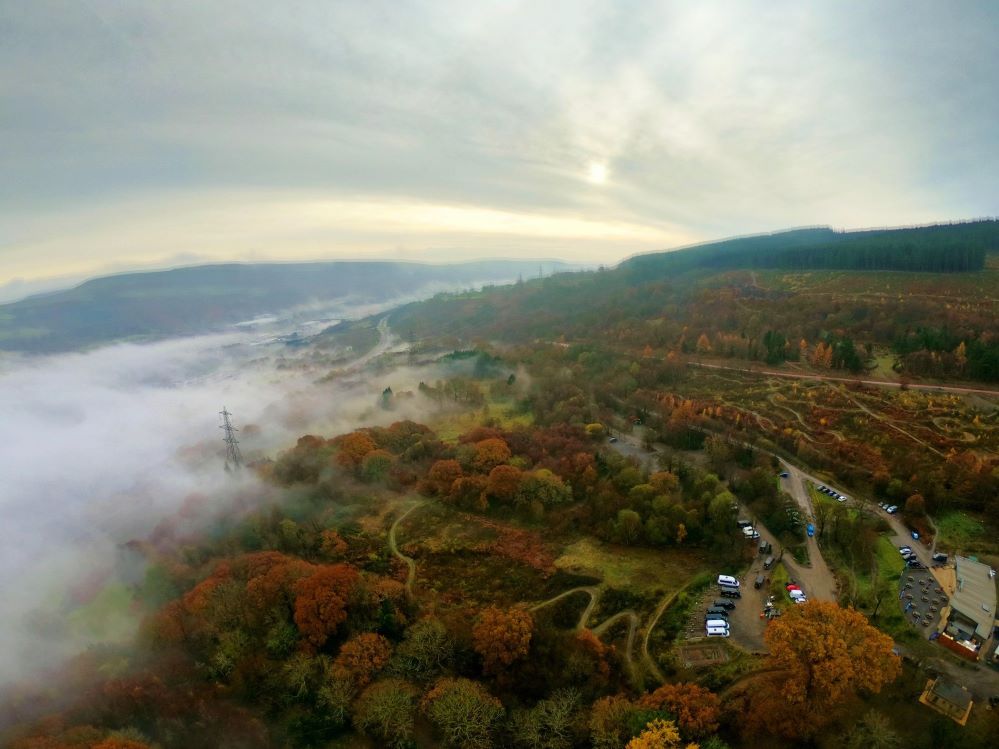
922 599
746 625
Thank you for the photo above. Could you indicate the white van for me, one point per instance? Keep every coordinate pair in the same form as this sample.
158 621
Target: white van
717 631
796 593
728 580
710 623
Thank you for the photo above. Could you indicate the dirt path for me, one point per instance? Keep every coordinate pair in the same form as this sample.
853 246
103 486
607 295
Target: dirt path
394 548
593 591
853 380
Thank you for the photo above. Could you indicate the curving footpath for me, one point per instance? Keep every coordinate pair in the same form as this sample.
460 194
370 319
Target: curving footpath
394 548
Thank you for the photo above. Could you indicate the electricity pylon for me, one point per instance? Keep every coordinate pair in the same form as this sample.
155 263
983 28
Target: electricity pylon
233 458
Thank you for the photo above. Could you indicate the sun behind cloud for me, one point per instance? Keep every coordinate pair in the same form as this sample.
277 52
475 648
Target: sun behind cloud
597 173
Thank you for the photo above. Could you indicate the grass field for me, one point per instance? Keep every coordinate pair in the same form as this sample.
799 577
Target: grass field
960 531
639 570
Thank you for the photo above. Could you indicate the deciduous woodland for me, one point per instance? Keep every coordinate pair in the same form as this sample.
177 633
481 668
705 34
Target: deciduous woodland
528 566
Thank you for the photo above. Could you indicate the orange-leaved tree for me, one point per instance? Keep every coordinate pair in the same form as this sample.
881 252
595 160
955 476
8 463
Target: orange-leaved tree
362 657
502 636
353 447
659 734
696 709
504 483
442 475
827 655
321 601
490 453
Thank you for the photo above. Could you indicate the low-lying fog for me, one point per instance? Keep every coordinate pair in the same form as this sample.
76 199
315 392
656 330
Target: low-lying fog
98 447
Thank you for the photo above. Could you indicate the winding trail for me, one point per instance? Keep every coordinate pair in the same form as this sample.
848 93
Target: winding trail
394 548
593 591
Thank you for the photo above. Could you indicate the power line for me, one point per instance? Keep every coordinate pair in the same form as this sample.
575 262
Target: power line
233 458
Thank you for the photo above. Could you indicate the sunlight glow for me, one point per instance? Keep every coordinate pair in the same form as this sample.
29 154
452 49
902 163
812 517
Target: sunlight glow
597 173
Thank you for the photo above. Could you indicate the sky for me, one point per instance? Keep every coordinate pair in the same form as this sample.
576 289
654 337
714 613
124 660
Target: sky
149 134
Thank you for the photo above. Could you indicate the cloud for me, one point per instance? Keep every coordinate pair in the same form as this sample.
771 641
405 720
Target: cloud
713 118
240 225
99 447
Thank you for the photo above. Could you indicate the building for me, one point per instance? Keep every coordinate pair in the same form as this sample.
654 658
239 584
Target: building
947 699
972 613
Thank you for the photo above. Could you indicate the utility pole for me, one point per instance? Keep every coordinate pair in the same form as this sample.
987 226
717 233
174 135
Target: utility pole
233 458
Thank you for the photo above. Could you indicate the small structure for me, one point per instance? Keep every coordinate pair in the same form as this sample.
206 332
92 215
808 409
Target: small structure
947 699
972 611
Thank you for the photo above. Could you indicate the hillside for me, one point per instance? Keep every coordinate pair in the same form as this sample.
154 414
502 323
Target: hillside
202 298
773 299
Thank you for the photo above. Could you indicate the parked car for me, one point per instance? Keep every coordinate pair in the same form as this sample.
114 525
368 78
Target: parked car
730 592
723 604
915 536
785 474
716 631
810 529
842 498
904 550
892 509
938 557
728 580
612 439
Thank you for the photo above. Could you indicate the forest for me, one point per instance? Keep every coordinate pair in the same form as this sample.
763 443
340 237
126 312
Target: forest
298 624
940 248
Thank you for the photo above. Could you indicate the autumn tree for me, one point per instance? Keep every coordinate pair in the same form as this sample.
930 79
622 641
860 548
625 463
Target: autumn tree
321 601
502 636
695 708
659 734
544 487
490 453
353 447
915 505
610 721
386 711
464 714
703 344
469 492
503 484
442 475
826 654
363 656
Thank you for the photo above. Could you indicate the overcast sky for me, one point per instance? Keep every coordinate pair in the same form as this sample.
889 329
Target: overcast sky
142 133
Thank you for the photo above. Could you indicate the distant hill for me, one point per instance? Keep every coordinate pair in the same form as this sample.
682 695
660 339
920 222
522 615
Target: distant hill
941 248
183 301
757 299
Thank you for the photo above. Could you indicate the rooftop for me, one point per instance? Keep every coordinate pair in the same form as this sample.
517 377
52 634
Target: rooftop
975 595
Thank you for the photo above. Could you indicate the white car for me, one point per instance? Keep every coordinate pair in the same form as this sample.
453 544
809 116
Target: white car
728 580
716 632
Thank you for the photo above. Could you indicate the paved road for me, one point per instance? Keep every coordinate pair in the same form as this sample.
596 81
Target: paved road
848 380
819 581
